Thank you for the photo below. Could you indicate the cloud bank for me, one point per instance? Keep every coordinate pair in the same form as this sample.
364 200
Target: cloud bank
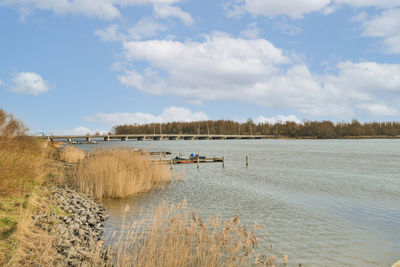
255 71
28 83
387 27
299 8
102 9
81 130
168 115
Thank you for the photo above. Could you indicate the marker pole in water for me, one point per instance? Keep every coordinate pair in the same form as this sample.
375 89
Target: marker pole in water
223 162
198 161
247 161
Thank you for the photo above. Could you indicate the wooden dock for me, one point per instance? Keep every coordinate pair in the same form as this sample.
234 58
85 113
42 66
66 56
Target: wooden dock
188 161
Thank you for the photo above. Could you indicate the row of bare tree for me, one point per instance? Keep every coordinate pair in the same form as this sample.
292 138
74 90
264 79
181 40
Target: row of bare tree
313 129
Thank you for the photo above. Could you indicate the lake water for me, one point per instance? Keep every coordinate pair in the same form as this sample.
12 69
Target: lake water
321 202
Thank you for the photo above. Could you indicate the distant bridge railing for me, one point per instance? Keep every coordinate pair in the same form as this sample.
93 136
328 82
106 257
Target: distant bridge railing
141 137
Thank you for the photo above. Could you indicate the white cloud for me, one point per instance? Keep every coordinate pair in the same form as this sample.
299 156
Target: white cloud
76 131
297 9
110 34
145 28
103 9
196 69
275 119
168 115
1 82
257 72
28 83
379 109
164 11
251 32
386 26
287 28
293 9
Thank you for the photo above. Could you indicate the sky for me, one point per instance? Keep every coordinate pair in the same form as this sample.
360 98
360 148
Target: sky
81 66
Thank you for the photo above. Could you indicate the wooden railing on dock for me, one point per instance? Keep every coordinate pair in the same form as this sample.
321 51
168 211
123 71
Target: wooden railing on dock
188 161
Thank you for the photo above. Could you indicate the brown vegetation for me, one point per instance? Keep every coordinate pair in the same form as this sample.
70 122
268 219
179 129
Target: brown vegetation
177 237
71 154
119 173
34 244
25 163
307 129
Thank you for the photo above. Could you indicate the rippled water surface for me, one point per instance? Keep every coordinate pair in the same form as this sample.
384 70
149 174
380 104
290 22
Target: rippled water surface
322 202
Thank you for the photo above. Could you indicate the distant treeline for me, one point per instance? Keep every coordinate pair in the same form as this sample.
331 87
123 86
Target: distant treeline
306 129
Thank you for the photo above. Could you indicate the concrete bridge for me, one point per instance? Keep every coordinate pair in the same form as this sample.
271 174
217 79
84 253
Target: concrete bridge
142 137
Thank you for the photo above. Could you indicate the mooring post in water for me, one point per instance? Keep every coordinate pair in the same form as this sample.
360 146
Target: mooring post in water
247 161
198 161
170 163
223 162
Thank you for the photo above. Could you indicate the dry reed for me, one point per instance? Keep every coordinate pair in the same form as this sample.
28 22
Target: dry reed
119 173
22 164
72 154
34 244
25 164
177 237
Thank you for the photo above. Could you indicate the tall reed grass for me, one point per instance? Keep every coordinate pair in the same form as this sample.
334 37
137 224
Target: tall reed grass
177 237
23 160
71 154
25 164
119 173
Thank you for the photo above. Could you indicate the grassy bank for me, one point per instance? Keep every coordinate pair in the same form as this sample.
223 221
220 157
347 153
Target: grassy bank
25 165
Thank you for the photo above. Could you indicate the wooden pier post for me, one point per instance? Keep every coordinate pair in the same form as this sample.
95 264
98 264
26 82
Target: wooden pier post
223 162
198 161
170 163
247 161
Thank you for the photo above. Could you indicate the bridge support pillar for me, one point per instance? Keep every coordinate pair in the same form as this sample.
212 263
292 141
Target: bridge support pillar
69 140
124 138
106 138
88 139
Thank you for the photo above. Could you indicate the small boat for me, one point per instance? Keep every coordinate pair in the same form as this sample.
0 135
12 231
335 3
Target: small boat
196 156
184 161
180 160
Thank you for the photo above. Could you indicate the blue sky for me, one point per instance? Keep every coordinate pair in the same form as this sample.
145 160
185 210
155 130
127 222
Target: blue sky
69 66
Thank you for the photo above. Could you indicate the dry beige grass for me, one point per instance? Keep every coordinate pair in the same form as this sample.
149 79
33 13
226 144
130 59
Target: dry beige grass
177 237
25 164
119 173
72 154
34 244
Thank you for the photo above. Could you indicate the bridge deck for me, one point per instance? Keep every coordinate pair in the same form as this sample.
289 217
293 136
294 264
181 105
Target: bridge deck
126 137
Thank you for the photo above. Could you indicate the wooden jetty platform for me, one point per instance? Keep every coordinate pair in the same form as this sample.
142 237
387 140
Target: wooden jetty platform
190 160
143 137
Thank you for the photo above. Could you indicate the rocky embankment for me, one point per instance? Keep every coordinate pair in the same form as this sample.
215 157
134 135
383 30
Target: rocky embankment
77 233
